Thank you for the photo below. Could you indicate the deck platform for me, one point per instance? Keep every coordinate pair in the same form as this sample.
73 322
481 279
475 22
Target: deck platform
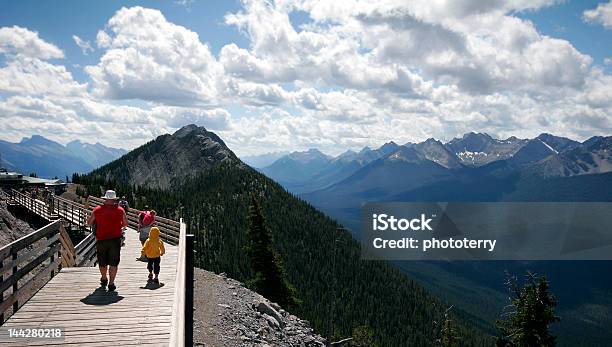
136 314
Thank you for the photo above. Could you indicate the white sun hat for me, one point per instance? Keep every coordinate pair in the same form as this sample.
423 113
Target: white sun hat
110 195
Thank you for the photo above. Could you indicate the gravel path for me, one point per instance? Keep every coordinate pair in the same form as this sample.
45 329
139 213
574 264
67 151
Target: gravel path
228 314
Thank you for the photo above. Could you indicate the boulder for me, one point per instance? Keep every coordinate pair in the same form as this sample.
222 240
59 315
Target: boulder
264 307
272 321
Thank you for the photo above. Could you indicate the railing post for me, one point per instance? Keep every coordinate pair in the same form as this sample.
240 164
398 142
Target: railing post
2 293
16 284
189 239
52 256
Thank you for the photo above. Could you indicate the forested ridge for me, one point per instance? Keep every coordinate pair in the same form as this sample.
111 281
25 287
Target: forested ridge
367 293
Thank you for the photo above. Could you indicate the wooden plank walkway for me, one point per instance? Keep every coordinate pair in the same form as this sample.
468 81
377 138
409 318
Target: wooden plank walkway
137 314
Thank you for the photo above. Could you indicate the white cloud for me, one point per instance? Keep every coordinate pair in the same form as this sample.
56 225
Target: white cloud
399 46
176 117
355 73
149 58
85 46
453 66
84 117
31 76
18 40
602 14
185 3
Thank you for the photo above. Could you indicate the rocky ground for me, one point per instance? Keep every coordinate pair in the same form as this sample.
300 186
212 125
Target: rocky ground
11 228
70 193
228 314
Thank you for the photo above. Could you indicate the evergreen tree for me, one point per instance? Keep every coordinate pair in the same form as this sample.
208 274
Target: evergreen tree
532 310
270 277
449 338
363 336
446 332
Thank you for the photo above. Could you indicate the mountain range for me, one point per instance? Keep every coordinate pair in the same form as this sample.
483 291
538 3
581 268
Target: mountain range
302 172
546 155
196 176
48 158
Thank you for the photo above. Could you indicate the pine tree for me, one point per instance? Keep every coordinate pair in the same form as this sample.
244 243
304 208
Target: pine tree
270 277
445 331
449 338
532 311
363 336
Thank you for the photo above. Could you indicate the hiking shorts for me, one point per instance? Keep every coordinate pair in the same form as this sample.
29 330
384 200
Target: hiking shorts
144 233
108 252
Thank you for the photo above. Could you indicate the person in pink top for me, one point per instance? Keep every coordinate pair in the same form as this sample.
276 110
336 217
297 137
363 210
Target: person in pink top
146 220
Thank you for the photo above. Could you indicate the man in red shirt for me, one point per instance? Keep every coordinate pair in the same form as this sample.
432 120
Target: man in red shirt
109 220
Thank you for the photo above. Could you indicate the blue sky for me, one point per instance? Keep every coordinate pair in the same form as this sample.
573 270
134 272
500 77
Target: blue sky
295 74
56 22
564 21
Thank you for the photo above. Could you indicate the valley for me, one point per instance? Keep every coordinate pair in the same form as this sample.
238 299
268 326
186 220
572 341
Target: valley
546 168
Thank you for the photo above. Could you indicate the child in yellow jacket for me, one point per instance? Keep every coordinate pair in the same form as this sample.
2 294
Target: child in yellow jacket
153 249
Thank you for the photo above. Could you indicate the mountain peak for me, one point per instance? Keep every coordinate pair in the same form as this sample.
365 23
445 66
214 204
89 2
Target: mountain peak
477 149
476 134
558 143
348 153
388 148
312 154
170 159
431 141
188 129
545 135
592 139
435 151
38 140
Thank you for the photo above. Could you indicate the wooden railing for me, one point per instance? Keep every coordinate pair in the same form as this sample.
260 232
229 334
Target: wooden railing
182 310
37 206
85 251
77 214
69 210
25 259
169 229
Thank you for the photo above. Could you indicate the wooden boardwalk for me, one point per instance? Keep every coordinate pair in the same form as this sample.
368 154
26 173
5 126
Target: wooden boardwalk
136 314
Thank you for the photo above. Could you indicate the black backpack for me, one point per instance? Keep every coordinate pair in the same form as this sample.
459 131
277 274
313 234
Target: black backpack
124 205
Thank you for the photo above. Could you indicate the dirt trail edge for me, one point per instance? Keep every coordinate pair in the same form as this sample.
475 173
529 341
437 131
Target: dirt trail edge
228 314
